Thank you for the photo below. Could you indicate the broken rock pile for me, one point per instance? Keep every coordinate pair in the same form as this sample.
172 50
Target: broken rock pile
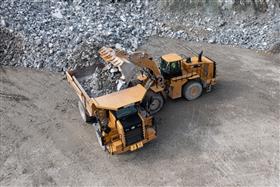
57 34
53 30
104 81
11 47
227 26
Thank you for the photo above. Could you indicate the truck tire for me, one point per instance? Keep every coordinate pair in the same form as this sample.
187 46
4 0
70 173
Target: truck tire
154 125
153 102
192 90
98 135
86 118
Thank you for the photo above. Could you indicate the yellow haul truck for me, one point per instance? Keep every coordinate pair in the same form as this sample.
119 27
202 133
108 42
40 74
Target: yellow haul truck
121 123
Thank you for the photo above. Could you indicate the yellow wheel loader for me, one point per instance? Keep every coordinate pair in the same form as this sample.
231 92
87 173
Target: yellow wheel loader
176 76
121 123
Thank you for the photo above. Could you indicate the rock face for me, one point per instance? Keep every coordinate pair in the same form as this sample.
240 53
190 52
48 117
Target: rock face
11 47
54 31
58 34
225 24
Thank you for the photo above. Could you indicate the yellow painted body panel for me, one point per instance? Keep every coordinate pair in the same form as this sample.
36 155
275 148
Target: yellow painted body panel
156 89
125 97
117 146
115 140
173 57
175 88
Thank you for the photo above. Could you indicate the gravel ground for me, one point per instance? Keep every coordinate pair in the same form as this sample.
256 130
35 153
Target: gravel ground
57 34
229 137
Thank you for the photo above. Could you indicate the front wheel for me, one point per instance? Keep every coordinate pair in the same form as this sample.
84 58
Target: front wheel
86 118
99 135
192 90
153 102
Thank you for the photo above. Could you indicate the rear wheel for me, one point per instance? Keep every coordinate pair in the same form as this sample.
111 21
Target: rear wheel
155 127
86 118
153 102
192 90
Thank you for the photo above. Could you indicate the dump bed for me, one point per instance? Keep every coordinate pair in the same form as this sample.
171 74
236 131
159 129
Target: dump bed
112 101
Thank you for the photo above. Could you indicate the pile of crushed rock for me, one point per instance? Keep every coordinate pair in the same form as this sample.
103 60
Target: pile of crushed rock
243 29
11 47
103 81
54 30
58 34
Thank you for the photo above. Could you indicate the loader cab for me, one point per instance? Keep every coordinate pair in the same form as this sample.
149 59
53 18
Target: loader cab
170 66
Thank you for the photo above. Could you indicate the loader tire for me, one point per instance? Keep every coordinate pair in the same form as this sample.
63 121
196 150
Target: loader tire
192 90
86 118
153 102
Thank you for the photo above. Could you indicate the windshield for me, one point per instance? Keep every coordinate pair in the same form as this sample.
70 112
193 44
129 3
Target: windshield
126 112
163 65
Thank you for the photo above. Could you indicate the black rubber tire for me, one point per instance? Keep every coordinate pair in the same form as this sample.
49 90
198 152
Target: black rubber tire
188 92
153 102
133 83
98 136
155 126
86 118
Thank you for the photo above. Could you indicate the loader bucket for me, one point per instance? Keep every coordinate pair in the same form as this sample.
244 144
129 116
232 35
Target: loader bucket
118 59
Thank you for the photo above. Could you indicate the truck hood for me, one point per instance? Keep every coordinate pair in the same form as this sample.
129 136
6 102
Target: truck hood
120 99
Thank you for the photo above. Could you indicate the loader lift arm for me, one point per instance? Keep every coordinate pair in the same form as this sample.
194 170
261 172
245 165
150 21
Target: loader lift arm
145 61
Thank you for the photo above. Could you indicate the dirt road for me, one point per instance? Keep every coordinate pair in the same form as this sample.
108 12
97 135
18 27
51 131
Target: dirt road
227 137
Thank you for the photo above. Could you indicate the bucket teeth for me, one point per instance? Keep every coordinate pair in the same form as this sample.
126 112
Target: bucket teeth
109 56
117 62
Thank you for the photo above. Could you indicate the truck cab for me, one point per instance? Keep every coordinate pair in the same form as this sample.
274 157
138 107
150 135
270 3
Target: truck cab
127 126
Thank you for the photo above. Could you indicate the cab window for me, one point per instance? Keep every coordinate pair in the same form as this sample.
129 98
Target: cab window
123 112
175 68
164 66
171 69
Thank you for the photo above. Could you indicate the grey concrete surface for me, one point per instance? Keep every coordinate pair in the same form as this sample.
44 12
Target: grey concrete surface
229 137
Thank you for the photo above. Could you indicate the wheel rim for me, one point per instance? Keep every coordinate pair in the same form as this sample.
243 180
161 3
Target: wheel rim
155 104
194 91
